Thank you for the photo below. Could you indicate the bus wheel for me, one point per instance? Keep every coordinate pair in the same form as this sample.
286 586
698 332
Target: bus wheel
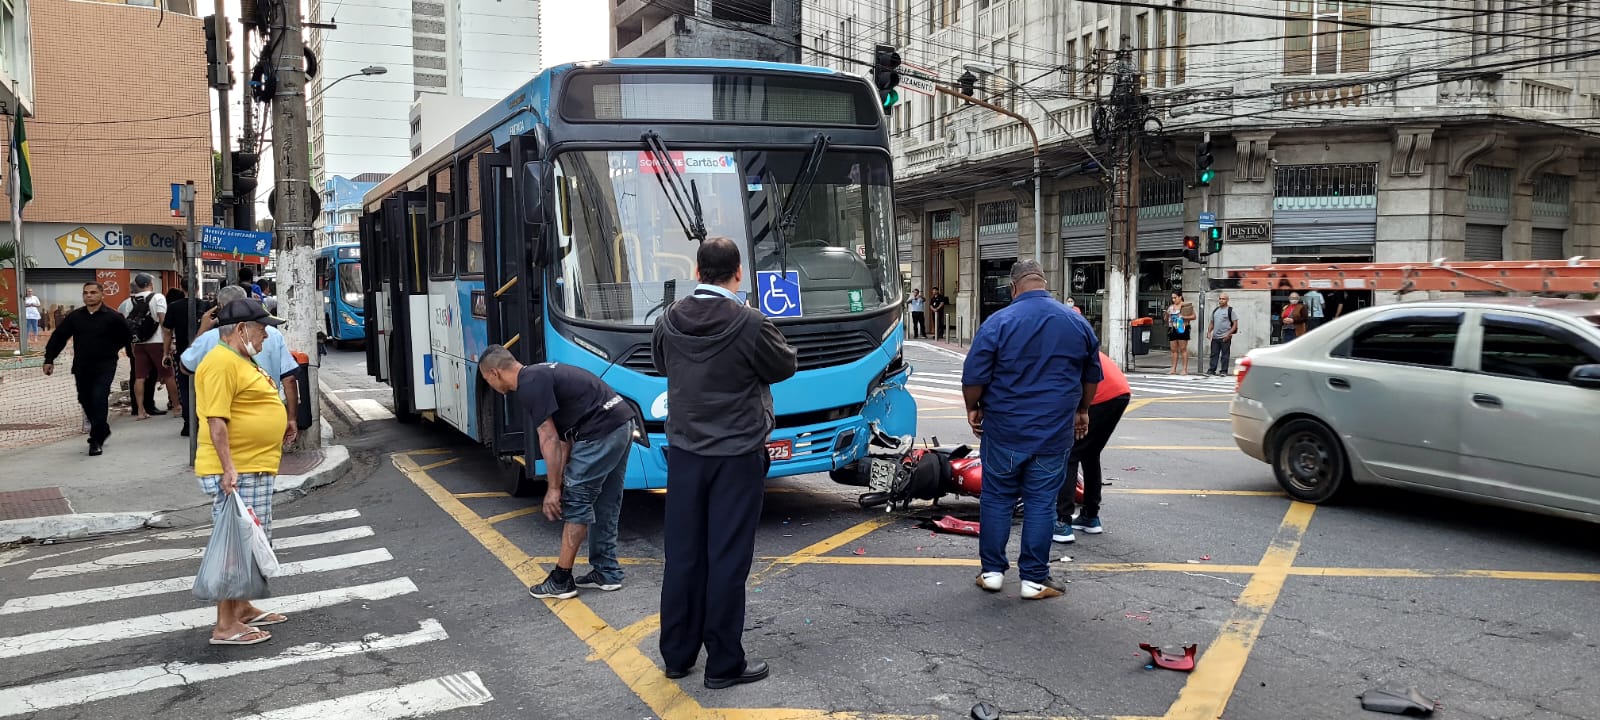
403 415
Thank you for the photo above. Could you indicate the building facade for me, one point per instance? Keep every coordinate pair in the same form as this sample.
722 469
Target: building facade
452 48
745 29
1342 131
102 165
341 208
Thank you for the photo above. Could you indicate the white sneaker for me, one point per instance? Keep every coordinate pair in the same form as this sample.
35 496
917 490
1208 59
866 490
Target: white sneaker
991 581
1049 588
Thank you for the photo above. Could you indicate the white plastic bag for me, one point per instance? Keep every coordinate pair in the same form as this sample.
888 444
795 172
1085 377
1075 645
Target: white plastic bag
229 570
260 546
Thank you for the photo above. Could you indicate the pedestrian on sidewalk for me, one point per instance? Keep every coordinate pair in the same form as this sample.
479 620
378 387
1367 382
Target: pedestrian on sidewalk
1224 325
145 310
97 333
1292 320
274 358
584 433
1028 382
246 428
31 313
1180 328
720 357
918 306
1111 398
937 303
182 314
1314 309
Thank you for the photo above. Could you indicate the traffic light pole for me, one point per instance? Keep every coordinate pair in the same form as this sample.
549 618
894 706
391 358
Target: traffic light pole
1122 221
223 86
1202 320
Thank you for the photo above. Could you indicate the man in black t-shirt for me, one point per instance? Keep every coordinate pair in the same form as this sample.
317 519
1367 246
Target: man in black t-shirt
583 430
183 313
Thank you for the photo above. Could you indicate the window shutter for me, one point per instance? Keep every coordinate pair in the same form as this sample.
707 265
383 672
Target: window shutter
1297 39
1355 47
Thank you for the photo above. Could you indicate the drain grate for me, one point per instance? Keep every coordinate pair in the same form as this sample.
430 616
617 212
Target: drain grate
24 426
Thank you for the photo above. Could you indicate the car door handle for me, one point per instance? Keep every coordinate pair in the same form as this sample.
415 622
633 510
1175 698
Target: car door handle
1339 383
1486 400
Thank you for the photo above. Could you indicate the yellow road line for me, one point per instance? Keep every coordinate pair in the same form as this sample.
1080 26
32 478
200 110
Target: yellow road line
1205 695
475 495
833 542
514 514
430 451
664 697
1534 575
1166 491
551 560
1136 404
441 463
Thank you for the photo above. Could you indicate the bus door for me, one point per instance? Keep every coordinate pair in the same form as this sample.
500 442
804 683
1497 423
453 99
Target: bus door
370 281
514 287
404 232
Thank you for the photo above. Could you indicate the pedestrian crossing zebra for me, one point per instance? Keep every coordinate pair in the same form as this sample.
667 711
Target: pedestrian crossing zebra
99 630
944 388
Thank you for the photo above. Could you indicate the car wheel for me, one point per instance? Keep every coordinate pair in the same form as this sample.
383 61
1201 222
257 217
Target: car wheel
1309 461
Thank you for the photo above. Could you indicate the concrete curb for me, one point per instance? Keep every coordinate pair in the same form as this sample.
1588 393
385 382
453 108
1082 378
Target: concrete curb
335 464
930 346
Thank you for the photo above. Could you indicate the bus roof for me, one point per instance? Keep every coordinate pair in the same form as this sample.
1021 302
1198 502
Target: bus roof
501 119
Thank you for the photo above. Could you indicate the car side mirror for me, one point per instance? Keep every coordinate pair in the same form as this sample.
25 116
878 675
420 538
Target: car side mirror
1585 376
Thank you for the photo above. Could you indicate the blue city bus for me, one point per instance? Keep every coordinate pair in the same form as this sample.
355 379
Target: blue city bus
563 222
343 295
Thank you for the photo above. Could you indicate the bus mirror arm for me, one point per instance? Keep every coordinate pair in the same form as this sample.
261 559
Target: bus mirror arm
530 192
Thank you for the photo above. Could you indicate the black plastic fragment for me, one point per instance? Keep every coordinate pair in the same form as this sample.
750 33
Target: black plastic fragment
1397 700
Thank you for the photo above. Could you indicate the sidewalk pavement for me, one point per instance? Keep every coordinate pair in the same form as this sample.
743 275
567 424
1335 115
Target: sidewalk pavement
1157 361
56 491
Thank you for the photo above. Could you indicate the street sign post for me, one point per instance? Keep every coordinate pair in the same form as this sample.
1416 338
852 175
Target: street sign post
1208 220
246 246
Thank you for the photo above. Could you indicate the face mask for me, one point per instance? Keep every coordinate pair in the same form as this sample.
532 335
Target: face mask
251 348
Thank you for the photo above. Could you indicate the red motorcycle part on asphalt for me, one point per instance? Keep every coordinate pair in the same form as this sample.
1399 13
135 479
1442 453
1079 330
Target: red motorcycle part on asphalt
967 475
1171 661
959 527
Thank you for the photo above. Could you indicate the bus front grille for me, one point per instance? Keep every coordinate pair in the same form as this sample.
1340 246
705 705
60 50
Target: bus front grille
816 350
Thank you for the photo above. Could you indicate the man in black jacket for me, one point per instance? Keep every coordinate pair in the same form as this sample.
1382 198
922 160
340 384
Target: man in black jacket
97 333
720 356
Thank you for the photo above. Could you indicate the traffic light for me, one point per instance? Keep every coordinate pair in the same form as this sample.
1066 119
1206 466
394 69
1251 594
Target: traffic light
1213 240
1191 248
219 67
886 75
969 83
245 166
1204 174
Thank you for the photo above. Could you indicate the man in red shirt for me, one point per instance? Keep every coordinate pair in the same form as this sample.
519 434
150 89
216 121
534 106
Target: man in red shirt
1111 399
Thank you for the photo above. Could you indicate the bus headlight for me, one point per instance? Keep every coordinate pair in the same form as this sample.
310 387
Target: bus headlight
348 319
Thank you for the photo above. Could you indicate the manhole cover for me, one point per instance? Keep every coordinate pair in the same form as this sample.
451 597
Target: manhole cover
24 426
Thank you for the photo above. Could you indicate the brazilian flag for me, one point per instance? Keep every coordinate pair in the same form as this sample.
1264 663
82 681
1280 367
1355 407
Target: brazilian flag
21 172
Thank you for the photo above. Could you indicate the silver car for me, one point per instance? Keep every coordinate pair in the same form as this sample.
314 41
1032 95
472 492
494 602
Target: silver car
1496 400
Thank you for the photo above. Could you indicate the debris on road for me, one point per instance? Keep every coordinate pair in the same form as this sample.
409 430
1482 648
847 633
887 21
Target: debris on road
1141 616
1171 661
1397 700
985 711
861 551
951 524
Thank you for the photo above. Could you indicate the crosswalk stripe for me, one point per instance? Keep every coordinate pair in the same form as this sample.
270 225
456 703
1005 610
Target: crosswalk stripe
147 557
129 628
369 409
933 391
1157 390
172 585
406 701
277 524
919 377
68 692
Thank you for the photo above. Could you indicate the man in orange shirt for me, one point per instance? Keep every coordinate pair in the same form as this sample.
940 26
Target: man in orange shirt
1111 399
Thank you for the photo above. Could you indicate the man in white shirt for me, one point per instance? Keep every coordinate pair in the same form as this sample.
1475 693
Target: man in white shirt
145 310
1314 308
31 301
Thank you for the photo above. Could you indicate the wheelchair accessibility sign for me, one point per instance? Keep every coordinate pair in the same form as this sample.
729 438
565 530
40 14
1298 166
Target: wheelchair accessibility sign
779 292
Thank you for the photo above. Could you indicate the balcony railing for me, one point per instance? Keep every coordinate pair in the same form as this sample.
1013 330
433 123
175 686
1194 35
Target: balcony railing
1300 96
1545 97
1471 90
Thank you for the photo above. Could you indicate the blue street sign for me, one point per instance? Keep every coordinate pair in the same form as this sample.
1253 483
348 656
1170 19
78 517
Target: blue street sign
177 199
780 293
1208 219
220 243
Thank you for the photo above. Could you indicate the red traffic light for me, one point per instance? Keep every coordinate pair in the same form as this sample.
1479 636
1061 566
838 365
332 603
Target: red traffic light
1191 242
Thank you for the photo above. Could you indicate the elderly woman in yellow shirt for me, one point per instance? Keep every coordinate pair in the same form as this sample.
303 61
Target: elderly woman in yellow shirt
243 428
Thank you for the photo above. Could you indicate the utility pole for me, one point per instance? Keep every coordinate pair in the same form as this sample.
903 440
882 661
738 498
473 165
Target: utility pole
245 206
1126 116
220 75
191 287
297 286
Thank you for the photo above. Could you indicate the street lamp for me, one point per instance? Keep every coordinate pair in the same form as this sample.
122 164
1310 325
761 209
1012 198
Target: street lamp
368 70
1038 168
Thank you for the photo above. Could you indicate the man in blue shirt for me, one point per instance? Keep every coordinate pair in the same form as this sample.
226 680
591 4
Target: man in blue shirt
274 357
1028 382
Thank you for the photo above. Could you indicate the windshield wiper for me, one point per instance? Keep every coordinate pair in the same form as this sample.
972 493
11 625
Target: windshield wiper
684 199
799 193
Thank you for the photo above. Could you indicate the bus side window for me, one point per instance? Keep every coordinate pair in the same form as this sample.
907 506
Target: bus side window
323 268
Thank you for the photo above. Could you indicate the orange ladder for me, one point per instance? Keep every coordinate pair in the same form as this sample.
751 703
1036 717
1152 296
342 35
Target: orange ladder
1505 276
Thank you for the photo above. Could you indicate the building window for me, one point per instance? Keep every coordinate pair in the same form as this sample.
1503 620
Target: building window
1160 197
944 224
1325 187
758 12
943 13
1552 196
1321 39
1489 189
997 218
1083 206
1141 43
1180 50
1161 48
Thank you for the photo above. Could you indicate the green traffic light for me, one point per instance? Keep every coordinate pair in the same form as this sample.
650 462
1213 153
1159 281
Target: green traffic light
890 98
1207 175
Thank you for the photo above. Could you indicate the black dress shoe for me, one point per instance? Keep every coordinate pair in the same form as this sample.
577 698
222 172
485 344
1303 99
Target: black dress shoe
675 674
753 672
95 450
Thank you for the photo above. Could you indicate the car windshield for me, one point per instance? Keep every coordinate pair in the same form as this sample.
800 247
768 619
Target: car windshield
350 283
623 255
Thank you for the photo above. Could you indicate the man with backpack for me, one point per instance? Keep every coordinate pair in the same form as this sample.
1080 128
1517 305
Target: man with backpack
145 310
1224 325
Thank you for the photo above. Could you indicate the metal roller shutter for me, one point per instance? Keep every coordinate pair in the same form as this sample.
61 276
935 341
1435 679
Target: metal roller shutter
1484 242
998 250
1547 243
1298 228
1084 241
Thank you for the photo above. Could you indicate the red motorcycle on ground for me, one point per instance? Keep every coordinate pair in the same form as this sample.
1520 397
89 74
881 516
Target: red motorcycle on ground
905 472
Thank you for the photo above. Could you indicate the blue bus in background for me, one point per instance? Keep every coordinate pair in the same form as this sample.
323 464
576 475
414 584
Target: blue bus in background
343 295
563 222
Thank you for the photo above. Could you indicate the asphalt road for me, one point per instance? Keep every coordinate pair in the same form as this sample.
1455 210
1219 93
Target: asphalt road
1296 610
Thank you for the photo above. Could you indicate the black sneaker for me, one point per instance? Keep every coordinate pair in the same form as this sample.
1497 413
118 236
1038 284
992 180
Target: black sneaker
593 579
553 587
96 450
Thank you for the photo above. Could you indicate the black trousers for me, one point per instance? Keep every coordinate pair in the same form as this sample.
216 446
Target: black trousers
94 396
918 323
1103 419
713 510
185 391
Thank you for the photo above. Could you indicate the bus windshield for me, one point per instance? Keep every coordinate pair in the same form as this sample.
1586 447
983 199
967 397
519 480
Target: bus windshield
350 283
623 256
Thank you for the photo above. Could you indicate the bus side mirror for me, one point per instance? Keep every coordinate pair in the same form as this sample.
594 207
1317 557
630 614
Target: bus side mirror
531 191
